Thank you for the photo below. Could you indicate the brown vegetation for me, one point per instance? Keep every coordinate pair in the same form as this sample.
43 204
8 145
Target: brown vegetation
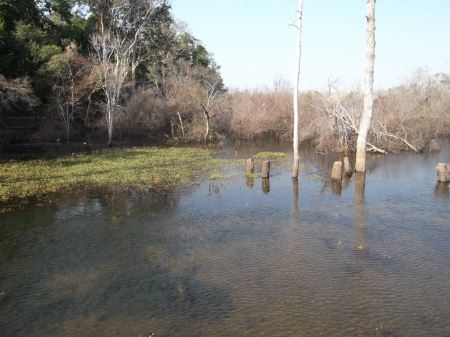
414 116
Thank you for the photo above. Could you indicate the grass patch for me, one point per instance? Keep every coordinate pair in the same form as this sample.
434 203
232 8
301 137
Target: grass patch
253 175
157 168
268 155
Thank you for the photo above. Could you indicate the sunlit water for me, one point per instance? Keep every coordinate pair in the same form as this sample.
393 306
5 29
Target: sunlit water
231 258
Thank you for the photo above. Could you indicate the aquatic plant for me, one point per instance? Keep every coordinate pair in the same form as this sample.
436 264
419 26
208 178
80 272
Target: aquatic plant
269 155
123 168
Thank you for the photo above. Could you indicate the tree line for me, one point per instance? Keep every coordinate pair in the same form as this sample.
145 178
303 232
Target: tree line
86 67
121 70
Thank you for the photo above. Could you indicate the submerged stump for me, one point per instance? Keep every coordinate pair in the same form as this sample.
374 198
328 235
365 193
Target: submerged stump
336 172
443 172
249 166
265 169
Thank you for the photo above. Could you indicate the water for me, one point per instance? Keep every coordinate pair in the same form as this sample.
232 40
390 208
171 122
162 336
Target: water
230 258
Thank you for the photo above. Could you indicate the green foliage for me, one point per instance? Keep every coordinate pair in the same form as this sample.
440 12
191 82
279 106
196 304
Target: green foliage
60 7
59 64
34 35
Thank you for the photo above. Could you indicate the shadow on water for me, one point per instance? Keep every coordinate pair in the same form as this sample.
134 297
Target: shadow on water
361 243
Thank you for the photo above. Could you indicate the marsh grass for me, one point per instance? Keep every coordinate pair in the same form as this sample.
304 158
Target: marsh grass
122 168
269 155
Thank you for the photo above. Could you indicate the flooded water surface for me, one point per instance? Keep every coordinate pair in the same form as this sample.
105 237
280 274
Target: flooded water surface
233 257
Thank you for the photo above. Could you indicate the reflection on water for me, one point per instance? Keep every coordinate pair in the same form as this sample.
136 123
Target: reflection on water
250 182
360 211
441 190
224 258
265 185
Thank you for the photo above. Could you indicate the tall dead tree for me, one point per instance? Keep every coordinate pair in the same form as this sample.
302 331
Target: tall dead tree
298 26
366 116
212 91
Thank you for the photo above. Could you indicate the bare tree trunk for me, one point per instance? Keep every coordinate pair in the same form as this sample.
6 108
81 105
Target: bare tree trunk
206 127
133 72
366 117
109 122
296 87
181 123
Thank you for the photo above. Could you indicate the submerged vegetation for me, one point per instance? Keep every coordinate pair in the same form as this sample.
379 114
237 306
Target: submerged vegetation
139 168
121 168
269 155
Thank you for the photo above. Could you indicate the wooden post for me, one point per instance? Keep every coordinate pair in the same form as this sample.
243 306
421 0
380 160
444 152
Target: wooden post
443 172
347 167
265 169
2 295
249 166
336 172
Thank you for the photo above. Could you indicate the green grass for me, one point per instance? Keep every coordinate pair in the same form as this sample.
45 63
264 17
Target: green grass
157 168
270 155
253 175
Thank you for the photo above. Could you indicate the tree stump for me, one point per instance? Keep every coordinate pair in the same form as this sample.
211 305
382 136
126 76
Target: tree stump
336 172
250 166
265 169
347 167
443 172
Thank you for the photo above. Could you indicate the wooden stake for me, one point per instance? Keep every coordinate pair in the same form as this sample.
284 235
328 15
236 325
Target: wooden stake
443 172
250 166
336 172
265 169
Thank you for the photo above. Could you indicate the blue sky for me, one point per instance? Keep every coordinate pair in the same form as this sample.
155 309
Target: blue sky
253 43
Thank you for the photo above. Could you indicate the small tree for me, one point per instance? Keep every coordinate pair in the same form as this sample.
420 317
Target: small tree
298 26
211 91
366 117
68 70
114 49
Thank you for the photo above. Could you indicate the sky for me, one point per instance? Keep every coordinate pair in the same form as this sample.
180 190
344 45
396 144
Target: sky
254 41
